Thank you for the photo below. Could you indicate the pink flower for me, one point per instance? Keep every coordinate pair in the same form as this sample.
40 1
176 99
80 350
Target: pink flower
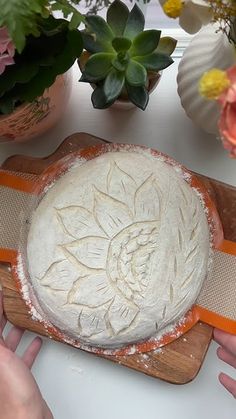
227 122
7 50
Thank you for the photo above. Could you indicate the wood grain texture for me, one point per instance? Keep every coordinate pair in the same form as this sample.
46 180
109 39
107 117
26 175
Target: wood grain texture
178 362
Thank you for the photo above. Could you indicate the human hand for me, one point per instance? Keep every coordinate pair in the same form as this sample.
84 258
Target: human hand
20 397
227 353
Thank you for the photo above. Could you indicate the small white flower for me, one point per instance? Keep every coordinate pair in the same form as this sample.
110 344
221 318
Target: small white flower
192 13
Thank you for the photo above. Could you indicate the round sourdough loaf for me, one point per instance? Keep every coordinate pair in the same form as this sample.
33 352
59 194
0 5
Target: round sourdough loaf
118 249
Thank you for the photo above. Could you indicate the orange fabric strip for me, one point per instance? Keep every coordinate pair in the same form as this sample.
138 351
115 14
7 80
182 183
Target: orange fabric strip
16 182
216 320
8 255
228 246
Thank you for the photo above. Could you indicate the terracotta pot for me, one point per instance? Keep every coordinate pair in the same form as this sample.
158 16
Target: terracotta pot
32 119
208 49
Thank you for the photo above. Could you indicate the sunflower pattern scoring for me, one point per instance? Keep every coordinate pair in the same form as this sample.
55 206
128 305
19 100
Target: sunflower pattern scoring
106 280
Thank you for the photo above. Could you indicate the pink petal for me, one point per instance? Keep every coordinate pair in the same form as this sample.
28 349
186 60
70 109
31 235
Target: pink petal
228 96
231 95
4 61
11 49
231 72
3 46
6 44
228 146
4 35
2 68
227 128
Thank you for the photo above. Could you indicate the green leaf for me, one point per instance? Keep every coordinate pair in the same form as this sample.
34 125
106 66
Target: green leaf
121 44
155 61
91 44
67 9
40 51
145 42
21 18
103 34
75 43
138 95
52 26
42 59
6 106
35 88
117 16
166 45
64 8
98 65
136 74
135 23
86 79
47 75
17 74
113 85
118 65
99 99
76 20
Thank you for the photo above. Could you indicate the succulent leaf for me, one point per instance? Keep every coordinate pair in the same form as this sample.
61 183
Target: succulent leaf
91 44
86 79
117 16
113 85
118 65
138 95
145 42
135 23
166 45
121 44
102 31
136 74
98 65
99 99
155 61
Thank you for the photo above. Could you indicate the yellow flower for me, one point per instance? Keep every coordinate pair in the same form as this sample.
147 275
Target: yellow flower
213 83
173 8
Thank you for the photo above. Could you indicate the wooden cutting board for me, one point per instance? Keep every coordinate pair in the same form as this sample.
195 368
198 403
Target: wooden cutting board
178 362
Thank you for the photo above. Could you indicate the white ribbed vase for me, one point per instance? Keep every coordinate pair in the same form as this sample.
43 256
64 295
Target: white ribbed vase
208 49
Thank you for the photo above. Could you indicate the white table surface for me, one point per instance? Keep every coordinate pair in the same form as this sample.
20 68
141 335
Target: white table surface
77 384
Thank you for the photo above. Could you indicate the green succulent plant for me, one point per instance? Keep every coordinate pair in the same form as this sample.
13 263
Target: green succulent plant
121 55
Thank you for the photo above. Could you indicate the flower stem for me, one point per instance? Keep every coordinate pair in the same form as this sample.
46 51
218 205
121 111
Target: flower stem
232 32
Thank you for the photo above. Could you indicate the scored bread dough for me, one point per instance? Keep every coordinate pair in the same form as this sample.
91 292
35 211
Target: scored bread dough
118 249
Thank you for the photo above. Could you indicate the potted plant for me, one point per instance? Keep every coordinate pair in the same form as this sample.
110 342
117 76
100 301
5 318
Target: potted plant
36 50
122 60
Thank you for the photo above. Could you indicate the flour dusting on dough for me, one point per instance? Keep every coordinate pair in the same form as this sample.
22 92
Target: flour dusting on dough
118 249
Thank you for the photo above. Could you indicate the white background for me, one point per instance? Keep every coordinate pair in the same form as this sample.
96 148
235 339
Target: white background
77 384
